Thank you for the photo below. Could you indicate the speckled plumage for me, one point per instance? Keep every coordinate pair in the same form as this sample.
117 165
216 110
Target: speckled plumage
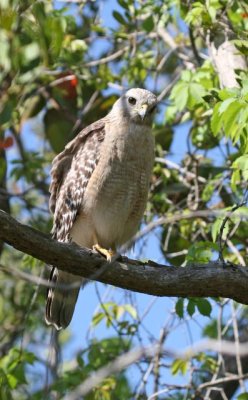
99 188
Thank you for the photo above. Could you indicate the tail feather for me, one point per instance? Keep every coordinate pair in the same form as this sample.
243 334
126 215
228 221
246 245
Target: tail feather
62 298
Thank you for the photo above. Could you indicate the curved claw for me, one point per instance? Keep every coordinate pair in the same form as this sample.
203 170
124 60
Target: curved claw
111 255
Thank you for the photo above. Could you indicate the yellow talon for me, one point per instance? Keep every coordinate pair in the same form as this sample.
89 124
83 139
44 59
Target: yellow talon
110 254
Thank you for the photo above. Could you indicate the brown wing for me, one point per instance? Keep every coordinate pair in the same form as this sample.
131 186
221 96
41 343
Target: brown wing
71 171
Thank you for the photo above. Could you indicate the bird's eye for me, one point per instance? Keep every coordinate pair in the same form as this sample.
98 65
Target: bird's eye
132 100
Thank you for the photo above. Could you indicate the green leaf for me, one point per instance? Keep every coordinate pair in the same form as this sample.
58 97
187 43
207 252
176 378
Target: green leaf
200 252
196 93
241 164
211 329
57 129
7 18
118 312
179 308
33 106
170 113
191 307
123 4
243 396
225 104
148 24
242 46
78 45
5 392
109 305
212 12
235 179
57 26
106 350
227 93
204 307
119 18
230 118
180 95
131 310
3 167
216 121
208 191
6 110
186 76
179 365
97 318
12 381
215 229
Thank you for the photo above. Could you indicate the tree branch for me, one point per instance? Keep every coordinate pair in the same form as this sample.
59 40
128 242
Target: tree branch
225 56
212 279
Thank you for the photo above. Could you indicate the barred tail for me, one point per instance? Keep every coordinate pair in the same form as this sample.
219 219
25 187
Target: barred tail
62 298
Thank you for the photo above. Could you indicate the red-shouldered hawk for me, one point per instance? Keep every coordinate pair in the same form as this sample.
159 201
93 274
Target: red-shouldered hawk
99 189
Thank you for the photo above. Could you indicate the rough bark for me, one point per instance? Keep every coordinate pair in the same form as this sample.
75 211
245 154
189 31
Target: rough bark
212 279
4 200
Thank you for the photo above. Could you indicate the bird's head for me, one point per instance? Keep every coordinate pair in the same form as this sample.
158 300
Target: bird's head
138 105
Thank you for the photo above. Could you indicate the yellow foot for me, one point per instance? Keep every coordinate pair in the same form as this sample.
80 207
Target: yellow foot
111 255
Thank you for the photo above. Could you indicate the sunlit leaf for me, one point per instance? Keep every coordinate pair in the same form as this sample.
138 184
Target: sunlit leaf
179 365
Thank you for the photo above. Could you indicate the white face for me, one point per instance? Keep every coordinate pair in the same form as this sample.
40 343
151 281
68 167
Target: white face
139 105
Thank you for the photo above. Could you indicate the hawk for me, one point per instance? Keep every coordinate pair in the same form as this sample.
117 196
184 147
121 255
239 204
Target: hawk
99 188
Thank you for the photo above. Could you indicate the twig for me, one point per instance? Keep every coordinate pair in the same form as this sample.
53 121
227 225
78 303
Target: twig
168 88
108 316
221 246
162 337
236 252
167 38
195 51
85 110
183 170
168 389
222 380
105 60
237 346
144 380
37 280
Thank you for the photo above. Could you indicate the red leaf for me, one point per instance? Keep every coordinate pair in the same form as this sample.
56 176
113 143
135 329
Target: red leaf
68 86
74 81
6 143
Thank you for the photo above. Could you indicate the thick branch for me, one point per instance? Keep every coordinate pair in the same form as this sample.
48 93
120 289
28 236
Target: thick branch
4 200
212 279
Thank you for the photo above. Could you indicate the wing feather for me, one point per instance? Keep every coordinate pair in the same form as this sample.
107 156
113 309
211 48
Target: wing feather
71 171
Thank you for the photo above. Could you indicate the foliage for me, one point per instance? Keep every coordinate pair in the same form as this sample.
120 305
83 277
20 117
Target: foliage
62 67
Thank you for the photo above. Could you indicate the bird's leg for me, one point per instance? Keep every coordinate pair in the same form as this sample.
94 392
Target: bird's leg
110 254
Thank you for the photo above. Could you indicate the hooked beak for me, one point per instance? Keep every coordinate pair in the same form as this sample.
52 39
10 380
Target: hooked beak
143 111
